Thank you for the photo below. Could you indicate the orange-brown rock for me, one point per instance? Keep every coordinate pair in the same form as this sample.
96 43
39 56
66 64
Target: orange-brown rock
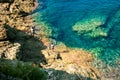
14 22
3 35
15 13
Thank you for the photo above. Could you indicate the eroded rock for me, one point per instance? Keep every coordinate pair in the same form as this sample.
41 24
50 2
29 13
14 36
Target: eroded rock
3 35
14 23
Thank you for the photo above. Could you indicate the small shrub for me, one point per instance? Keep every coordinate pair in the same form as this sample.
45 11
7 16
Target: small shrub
21 70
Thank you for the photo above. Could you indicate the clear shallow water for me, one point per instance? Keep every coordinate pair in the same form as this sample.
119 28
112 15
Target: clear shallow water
92 25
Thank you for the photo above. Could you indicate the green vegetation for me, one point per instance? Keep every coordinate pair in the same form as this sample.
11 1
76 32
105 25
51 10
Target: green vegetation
24 71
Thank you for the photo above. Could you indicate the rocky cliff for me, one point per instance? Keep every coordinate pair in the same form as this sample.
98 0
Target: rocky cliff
15 24
17 43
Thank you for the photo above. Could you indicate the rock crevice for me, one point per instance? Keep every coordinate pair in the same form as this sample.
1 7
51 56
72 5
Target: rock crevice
15 23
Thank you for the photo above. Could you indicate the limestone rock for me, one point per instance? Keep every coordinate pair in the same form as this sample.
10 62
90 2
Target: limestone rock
3 35
9 50
14 24
12 51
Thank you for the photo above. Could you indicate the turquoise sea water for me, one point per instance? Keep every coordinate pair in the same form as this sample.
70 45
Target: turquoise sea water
92 25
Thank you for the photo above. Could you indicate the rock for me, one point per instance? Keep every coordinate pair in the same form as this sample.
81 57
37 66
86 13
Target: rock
11 32
22 6
14 23
6 1
9 50
59 75
82 71
4 43
3 35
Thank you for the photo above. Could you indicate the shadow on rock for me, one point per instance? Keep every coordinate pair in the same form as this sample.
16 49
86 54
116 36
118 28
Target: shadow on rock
63 75
30 46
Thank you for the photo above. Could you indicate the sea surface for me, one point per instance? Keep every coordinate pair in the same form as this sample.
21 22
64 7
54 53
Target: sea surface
92 25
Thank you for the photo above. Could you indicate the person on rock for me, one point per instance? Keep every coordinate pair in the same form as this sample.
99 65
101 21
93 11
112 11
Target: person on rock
32 30
52 46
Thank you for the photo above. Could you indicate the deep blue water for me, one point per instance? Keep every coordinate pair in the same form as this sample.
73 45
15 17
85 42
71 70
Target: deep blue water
93 25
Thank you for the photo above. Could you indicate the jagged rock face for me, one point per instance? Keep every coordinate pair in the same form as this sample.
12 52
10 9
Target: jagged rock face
14 21
3 35
8 50
15 13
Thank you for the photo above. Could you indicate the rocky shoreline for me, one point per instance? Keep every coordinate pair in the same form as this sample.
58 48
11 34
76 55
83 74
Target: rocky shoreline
17 44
